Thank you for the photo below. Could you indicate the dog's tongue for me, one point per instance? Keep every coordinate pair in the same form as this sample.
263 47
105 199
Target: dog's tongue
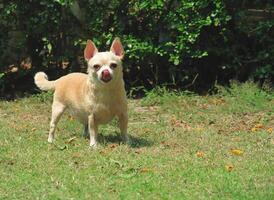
106 77
106 74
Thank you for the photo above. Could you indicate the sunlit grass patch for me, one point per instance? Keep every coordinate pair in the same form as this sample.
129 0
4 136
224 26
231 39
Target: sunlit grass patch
184 146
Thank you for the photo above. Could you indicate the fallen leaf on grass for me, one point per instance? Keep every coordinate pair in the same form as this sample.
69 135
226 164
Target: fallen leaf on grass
164 143
175 122
112 146
237 152
269 130
145 170
70 140
200 154
76 155
187 127
179 123
257 127
229 167
217 101
138 151
103 152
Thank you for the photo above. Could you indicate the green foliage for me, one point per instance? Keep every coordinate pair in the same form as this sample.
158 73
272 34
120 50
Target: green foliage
162 38
162 95
43 97
158 96
251 40
246 97
166 42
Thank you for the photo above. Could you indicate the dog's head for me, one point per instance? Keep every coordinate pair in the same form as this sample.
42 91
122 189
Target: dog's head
104 67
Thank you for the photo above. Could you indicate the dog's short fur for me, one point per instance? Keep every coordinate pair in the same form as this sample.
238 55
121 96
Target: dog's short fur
94 98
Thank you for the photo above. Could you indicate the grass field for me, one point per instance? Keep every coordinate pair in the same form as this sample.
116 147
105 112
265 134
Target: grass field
184 146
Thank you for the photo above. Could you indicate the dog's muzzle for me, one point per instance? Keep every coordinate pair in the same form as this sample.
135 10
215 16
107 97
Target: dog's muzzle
106 76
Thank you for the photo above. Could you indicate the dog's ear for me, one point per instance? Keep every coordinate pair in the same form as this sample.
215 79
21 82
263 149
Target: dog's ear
90 50
117 48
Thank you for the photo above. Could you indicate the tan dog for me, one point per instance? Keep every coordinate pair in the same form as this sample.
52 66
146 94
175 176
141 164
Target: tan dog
94 98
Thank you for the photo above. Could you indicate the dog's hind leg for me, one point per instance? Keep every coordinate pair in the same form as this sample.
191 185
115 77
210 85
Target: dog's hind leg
57 110
123 122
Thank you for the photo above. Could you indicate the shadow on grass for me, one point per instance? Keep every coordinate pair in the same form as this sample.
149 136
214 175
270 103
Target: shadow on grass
135 142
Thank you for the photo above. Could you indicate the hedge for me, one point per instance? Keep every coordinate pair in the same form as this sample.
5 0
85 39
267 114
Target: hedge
184 44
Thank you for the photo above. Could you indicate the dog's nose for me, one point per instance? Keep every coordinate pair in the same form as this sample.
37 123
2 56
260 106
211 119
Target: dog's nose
105 73
106 77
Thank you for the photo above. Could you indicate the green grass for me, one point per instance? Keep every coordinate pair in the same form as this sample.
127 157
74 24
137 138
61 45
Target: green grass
168 129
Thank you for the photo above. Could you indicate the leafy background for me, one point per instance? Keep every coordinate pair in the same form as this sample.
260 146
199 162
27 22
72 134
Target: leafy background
179 43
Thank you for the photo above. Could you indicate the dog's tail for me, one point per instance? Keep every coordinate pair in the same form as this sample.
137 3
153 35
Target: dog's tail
41 80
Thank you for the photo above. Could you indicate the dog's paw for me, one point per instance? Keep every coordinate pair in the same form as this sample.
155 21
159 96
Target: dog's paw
93 145
50 139
126 140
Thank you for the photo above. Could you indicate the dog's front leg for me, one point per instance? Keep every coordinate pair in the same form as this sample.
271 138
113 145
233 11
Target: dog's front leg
93 130
123 121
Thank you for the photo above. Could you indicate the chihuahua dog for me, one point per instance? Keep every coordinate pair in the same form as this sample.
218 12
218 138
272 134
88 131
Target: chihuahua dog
94 98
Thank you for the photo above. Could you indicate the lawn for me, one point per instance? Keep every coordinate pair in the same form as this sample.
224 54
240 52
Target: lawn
184 146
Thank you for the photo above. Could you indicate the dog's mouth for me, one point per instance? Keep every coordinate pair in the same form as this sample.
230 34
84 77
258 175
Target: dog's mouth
106 79
106 76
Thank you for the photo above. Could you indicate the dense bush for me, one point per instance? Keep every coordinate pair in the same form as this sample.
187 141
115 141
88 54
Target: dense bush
178 43
251 38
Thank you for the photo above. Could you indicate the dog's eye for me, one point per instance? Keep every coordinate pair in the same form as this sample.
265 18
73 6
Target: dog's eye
96 67
113 65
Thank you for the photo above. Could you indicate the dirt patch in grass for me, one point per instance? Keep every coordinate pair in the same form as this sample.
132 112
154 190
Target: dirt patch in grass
184 146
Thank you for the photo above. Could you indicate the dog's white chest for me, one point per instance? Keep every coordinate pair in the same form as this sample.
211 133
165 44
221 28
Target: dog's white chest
105 107
104 113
